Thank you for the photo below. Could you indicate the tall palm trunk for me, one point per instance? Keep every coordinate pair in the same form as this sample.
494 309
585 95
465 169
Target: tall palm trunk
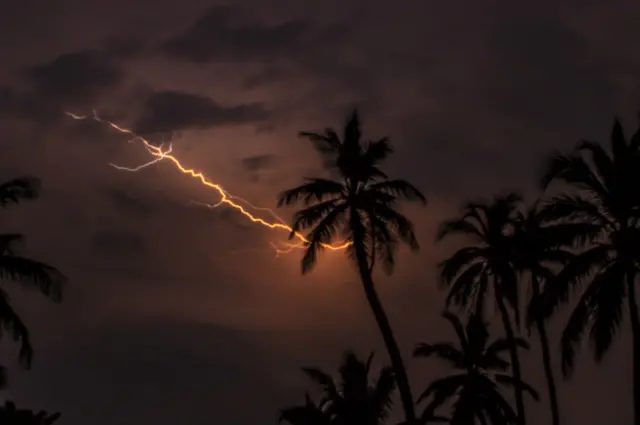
635 331
546 358
513 352
385 328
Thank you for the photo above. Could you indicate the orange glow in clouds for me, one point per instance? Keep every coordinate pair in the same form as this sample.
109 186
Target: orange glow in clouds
233 201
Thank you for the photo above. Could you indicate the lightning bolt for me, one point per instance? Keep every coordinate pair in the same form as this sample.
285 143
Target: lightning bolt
159 153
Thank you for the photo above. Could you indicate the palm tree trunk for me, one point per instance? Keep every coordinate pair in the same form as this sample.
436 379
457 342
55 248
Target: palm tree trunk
513 352
387 333
546 359
635 331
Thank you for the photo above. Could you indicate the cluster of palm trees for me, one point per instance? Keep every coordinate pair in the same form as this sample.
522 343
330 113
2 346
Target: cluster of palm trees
30 274
583 232
581 237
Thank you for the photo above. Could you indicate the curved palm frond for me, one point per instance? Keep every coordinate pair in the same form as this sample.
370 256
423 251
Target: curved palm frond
463 259
444 351
574 171
607 307
558 290
398 188
322 234
511 381
20 189
459 329
316 189
10 320
32 274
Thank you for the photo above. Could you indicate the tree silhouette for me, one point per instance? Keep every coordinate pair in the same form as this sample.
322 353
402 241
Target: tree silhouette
480 368
361 207
604 196
10 415
24 271
354 399
488 262
540 249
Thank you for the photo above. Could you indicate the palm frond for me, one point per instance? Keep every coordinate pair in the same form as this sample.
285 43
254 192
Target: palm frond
573 331
459 262
19 332
32 274
304 415
322 234
444 351
557 290
400 225
502 345
316 189
398 188
377 151
327 143
467 286
457 326
575 171
462 226
572 207
618 141
308 217
444 388
600 158
608 307
20 189
324 380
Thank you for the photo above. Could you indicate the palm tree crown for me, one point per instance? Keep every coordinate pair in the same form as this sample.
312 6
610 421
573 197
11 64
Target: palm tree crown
489 261
361 204
21 270
481 368
354 399
604 199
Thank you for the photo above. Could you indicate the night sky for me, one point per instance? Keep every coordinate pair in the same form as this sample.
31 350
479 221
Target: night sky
177 314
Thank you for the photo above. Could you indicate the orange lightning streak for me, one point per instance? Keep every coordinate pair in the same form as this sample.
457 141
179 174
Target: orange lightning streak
233 201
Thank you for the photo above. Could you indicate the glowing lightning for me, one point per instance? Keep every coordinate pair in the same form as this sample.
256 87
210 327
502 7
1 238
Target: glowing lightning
235 202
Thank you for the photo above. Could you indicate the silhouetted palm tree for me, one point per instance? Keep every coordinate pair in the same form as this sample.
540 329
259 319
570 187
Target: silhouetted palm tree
540 248
604 194
352 400
361 207
10 415
24 271
475 388
488 262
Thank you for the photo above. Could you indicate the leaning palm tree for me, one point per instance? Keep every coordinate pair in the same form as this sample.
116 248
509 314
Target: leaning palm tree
601 191
10 415
15 268
487 263
360 205
541 250
354 399
480 369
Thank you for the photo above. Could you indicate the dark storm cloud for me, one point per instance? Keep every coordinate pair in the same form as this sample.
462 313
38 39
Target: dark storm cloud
544 68
258 162
162 372
128 203
215 37
168 111
118 243
75 76
20 103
